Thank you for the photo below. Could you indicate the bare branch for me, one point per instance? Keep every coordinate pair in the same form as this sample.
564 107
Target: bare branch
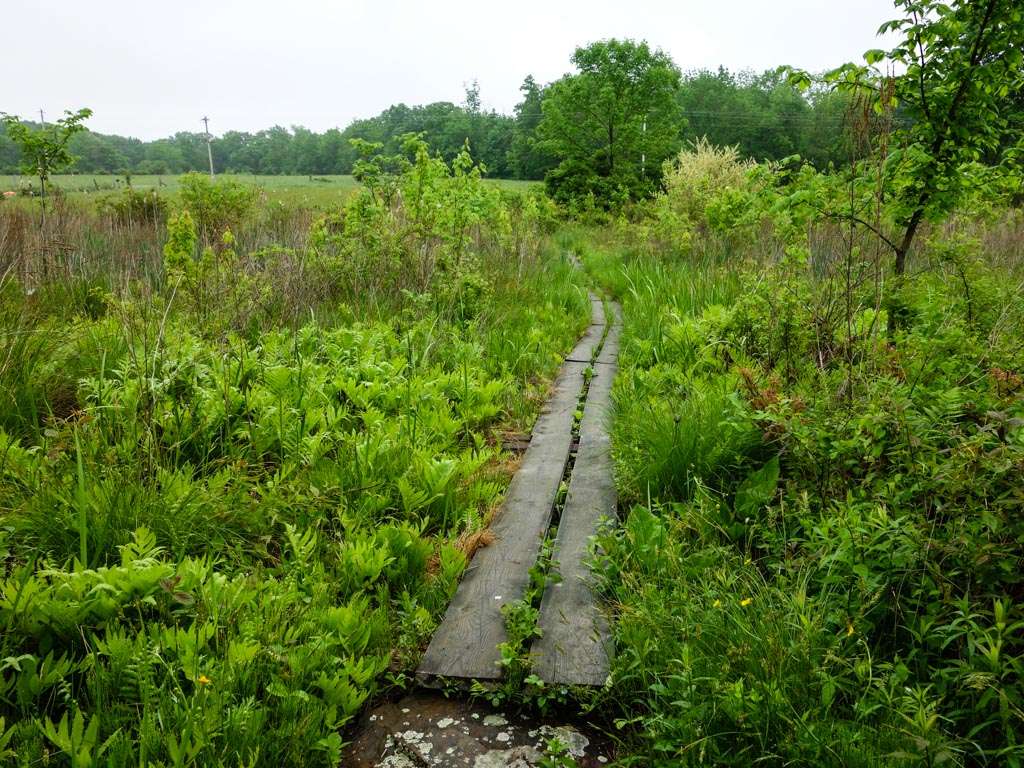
851 217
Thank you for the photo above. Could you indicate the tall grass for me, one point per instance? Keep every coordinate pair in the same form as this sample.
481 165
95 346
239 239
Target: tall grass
672 428
80 243
233 487
814 505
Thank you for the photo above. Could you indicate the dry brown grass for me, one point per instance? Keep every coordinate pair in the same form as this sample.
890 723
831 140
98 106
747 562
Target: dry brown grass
76 241
469 542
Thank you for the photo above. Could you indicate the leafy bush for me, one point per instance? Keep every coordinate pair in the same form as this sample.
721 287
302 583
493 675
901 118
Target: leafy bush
423 226
821 561
696 178
132 206
215 206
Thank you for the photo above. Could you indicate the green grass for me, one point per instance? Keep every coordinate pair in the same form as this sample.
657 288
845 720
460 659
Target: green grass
236 472
297 190
815 562
234 480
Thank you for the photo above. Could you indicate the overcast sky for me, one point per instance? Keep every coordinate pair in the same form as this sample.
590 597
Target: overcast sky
148 69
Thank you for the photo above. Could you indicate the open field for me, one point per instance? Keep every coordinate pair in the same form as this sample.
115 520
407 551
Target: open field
301 190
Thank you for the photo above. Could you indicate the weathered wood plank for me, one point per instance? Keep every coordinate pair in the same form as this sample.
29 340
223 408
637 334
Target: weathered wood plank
465 645
575 644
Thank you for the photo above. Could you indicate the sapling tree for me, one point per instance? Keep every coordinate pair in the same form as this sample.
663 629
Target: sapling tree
959 69
44 150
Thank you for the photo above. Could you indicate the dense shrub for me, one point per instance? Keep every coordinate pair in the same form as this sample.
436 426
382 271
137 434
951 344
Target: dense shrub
233 483
821 564
216 205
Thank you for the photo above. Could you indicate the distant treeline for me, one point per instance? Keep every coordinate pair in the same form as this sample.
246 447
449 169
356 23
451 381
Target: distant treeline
761 113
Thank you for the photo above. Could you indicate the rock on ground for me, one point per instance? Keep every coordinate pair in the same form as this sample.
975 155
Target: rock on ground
426 729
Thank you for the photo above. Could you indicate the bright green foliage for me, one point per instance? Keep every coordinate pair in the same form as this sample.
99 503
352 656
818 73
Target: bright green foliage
697 176
237 454
962 61
232 493
423 225
76 741
821 561
44 151
704 188
162 633
212 285
961 71
612 124
215 205
180 248
669 434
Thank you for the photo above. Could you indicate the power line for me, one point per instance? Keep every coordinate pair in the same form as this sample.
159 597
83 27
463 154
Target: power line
770 119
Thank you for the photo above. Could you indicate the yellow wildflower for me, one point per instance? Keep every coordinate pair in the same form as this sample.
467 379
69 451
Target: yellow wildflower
717 604
849 629
203 680
746 601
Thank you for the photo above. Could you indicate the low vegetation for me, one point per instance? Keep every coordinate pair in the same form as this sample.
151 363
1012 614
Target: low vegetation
248 444
239 486
820 564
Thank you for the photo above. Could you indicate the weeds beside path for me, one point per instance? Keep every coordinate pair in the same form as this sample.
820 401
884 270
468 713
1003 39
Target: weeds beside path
819 560
233 481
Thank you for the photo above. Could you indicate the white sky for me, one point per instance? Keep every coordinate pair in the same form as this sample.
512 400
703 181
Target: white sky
149 68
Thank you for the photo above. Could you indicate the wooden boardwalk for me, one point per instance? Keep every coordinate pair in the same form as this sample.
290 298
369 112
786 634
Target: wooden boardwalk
465 645
574 646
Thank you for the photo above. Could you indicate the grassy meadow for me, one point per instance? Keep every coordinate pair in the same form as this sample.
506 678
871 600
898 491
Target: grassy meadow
246 451
316 190
248 448
819 561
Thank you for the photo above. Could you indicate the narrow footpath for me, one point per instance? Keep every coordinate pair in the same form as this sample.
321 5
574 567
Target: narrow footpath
574 647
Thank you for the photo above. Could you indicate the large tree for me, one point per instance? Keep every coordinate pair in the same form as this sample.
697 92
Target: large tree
527 158
613 123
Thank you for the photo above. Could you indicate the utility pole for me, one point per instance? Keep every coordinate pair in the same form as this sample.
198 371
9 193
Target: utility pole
643 153
42 119
209 150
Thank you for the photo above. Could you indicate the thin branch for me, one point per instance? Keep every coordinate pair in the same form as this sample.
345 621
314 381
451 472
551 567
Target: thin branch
858 220
920 74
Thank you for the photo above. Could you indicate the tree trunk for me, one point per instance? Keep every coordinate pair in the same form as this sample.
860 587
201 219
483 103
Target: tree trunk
907 241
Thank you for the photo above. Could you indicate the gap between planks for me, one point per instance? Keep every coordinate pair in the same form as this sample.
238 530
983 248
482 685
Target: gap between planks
575 645
465 644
